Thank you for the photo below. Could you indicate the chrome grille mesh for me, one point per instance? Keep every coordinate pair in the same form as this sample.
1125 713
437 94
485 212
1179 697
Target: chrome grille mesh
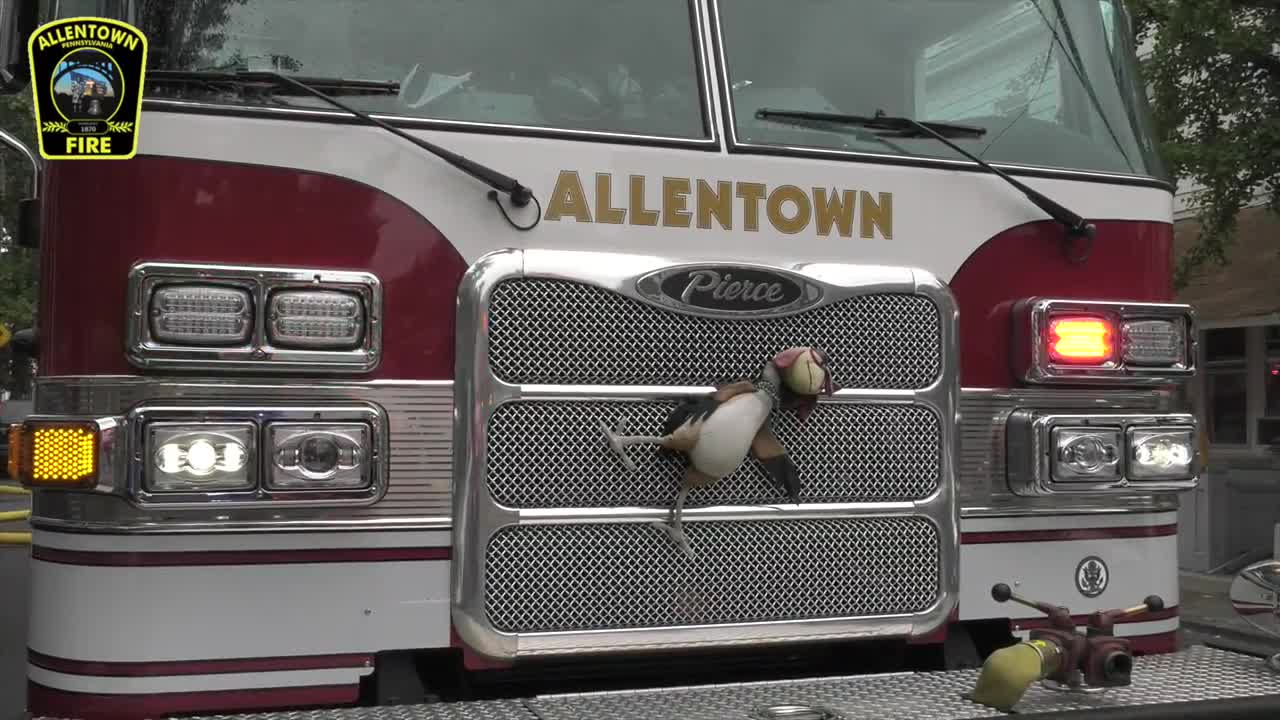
548 578
553 454
556 332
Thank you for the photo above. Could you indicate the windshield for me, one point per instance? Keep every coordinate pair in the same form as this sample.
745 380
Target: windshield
615 66
1053 83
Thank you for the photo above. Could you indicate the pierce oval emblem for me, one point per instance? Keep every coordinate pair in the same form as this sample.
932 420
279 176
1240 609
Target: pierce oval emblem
729 290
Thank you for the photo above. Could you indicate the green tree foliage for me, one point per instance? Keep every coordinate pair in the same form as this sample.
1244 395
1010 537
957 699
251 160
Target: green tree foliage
1214 74
18 266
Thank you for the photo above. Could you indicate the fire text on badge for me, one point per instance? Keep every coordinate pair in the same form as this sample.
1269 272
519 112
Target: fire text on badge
86 78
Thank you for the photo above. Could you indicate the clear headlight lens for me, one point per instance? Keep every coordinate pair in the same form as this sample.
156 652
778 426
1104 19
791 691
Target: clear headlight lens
1161 453
1086 454
309 456
197 457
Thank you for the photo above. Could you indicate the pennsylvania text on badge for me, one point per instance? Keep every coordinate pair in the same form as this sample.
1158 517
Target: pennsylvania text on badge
86 79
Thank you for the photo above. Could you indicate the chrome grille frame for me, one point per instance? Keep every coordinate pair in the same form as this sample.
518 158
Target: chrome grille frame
478 517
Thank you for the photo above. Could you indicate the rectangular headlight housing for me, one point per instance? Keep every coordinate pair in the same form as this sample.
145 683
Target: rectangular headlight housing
1101 453
200 457
1096 342
263 456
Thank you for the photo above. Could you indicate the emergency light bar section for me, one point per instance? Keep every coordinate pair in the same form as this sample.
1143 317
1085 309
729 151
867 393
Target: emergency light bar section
1095 342
222 317
555 546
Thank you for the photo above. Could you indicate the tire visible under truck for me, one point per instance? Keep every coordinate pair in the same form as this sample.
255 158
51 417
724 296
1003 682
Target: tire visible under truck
1197 682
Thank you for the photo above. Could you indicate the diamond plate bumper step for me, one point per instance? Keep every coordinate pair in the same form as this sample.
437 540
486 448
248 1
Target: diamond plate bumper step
1198 682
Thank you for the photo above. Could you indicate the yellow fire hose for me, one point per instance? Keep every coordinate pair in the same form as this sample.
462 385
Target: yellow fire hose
14 538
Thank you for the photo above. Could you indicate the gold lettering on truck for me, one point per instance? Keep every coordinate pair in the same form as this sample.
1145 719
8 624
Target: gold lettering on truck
681 202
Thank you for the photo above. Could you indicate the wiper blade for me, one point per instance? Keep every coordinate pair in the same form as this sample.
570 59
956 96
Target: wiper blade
519 194
908 127
894 126
330 86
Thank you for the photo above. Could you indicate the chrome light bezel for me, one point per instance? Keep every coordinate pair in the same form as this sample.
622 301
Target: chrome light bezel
1032 364
1029 451
260 496
259 354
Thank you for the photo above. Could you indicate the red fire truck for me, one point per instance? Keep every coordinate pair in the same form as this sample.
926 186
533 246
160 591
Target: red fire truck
323 369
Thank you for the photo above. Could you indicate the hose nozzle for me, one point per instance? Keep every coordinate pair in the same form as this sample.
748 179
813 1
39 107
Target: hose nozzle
1008 672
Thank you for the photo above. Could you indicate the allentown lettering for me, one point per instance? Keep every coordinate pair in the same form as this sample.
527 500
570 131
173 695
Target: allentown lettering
87 31
788 209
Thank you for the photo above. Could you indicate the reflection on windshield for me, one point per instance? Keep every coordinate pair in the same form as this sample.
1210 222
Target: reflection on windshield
603 65
1053 83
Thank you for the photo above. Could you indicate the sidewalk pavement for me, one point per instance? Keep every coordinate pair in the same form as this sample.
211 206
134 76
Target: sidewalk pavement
1207 617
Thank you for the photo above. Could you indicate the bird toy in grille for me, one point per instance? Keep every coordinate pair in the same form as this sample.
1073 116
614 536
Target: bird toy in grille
716 431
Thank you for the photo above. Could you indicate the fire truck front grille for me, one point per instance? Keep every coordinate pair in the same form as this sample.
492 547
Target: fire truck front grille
582 577
553 454
556 332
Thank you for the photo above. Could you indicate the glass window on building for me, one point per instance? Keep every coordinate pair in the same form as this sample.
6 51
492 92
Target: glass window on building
1227 379
1269 423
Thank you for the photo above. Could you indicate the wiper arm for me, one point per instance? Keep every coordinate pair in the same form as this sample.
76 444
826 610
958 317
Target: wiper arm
894 126
330 86
908 127
519 194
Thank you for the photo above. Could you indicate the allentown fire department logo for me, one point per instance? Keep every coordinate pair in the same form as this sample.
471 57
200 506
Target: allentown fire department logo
86 79
1092 576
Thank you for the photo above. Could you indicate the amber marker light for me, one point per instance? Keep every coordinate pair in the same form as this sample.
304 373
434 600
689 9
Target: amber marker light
54 454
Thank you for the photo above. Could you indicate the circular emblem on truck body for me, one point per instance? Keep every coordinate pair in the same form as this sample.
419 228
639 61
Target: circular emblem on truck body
1092 576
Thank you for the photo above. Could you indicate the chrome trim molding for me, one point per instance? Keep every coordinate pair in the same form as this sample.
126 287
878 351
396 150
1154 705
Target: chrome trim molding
1030 451
417 422
1031 327
479 392
260 415
258 355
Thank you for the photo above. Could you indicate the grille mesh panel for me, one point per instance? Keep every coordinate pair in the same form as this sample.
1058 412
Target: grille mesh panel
553 454
556 332
548 578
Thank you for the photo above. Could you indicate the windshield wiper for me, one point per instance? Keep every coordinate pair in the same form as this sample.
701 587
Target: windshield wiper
908 127
519 194
267 79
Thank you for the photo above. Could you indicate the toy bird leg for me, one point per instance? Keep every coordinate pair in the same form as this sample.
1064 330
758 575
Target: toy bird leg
676 529
618 442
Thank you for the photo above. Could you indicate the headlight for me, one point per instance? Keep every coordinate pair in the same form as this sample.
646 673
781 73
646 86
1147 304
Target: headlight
1086 454
201 458
1161 453
1100 453
307 456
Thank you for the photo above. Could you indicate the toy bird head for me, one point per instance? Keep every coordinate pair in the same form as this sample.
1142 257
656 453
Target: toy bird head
805 376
